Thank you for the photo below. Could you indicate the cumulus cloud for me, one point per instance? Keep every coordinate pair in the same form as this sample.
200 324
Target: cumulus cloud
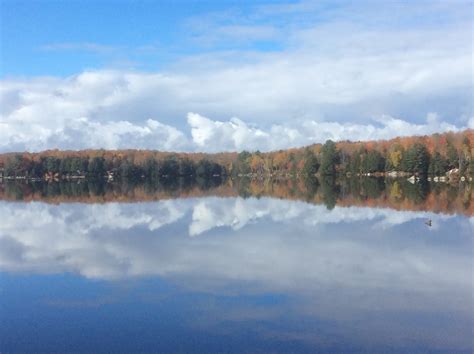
336 76
109 109
234 134
206 134
230 135
82 133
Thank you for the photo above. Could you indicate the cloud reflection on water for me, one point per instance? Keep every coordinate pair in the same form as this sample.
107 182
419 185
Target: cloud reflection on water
352 268
121 240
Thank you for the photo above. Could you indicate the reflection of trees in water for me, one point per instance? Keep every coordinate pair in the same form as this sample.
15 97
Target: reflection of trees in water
330 191
243 187
465 191
396 193
363 188
208 183
96 188
311 184
171 184
373 187
417 192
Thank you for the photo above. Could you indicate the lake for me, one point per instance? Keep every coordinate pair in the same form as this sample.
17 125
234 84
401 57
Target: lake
236 266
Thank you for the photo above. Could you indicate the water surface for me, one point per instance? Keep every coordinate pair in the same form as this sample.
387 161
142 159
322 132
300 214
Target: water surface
238 273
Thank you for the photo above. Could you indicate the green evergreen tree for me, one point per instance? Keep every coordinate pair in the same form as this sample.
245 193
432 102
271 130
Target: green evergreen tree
355 164
97 167
329 158
373 162
243 164
186 168
311 164
170 167
438 165
417 159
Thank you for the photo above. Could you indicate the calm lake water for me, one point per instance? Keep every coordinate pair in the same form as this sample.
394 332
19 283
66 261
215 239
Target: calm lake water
233 273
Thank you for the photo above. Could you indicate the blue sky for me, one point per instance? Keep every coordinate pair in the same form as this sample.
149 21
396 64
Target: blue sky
63 38
230 75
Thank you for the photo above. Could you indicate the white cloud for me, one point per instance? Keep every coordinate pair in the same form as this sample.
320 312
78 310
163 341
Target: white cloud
84 46
231 135
335 74
82 133
210 135
206 134
470 123
208 35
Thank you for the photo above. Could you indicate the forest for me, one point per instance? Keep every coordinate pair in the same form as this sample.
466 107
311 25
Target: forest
448 155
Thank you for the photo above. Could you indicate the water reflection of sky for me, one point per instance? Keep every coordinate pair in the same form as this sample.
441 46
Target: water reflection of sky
233 273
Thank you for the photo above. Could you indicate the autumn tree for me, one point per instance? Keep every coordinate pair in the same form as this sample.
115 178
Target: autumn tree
452 155
13 166
394 158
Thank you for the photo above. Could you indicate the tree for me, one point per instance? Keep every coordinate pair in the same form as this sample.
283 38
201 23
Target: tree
395 155
186 168
438 165
52 164
257 164
97 167
65 166
170 167
13 166
311 164
243 164
373 162
217 170
204 169
453 159
355 163
151 168
126 169
328 158
422 159
417 159
464 156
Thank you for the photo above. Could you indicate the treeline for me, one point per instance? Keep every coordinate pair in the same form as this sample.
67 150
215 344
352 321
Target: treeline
66 166
422 156
433 155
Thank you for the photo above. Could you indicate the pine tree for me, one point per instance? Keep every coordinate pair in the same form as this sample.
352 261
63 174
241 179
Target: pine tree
328 158
311 164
